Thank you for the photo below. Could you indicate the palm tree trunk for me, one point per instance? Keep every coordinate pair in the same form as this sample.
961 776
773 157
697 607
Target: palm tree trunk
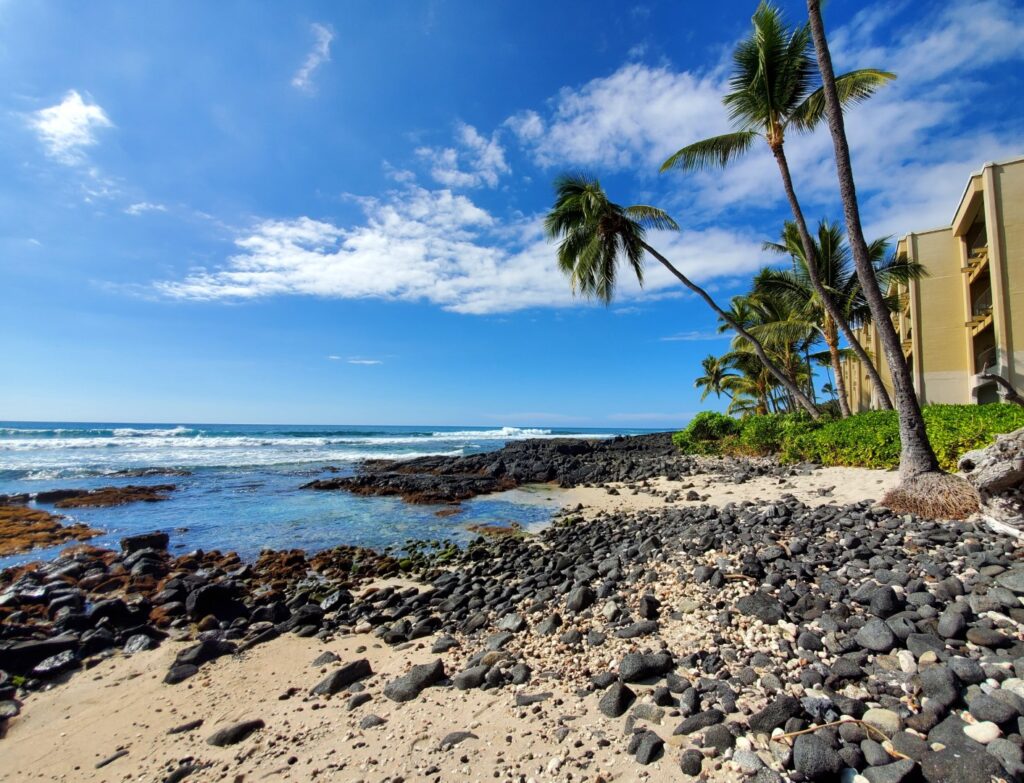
810 374
780 376
831 340
814 273
916 454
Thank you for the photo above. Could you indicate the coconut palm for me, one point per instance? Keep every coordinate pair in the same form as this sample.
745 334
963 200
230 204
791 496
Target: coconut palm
780 326
773 90
839 279
596 234
715 378
923 488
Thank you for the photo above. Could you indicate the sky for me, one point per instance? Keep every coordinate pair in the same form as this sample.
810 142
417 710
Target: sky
330 212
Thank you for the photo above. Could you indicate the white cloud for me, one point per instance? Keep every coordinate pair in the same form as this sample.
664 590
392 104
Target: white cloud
476 161
367 362
70 126
318 55
334 358
144 206
636 117
435 246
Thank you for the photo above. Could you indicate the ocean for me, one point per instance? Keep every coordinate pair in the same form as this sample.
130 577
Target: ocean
241 491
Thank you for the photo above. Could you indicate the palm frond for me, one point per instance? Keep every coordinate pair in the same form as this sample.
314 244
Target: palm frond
651 217
852 88
712 153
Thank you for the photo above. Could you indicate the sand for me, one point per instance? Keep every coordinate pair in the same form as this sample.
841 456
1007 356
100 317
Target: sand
122 703
825 485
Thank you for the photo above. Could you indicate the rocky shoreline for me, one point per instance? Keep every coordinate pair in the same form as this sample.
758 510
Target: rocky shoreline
763 640
568 462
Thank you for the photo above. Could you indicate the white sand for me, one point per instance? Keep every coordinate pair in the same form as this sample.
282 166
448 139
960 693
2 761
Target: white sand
847 485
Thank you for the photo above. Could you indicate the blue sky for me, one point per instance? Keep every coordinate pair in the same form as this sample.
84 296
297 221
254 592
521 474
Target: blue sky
329 212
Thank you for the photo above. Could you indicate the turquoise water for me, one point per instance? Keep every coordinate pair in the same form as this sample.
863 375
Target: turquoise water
243 492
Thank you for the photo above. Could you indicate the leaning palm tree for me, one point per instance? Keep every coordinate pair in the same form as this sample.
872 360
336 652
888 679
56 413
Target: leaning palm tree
773 91
834 270
596 234
923 487
715 379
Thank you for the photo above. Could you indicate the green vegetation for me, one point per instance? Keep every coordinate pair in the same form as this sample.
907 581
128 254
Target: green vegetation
870 439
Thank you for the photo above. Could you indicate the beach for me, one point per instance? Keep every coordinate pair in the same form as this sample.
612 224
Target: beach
646 634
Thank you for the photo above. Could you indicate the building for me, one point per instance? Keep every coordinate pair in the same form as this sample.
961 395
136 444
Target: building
967 316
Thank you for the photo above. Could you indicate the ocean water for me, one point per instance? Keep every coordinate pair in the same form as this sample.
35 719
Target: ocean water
242 492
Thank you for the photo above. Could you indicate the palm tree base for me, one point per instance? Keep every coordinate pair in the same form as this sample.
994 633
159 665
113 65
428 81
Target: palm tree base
934 495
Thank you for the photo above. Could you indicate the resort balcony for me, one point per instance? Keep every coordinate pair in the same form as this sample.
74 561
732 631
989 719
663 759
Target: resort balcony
977 262
981 312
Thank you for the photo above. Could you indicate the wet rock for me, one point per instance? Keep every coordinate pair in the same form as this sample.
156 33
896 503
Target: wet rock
217 600
140 642
156 540
23 529
56 664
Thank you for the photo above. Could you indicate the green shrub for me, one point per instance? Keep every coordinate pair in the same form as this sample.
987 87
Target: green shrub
761 435
710 425
869 439
704 433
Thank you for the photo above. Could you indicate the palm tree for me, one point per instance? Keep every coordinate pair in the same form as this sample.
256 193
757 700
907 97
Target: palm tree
780 327
837 276
595 234
753 389
715 378
923 488
773 91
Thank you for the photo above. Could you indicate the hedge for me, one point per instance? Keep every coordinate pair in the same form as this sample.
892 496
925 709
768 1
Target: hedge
869 439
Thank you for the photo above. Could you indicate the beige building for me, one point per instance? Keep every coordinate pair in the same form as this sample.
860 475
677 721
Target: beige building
967 316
